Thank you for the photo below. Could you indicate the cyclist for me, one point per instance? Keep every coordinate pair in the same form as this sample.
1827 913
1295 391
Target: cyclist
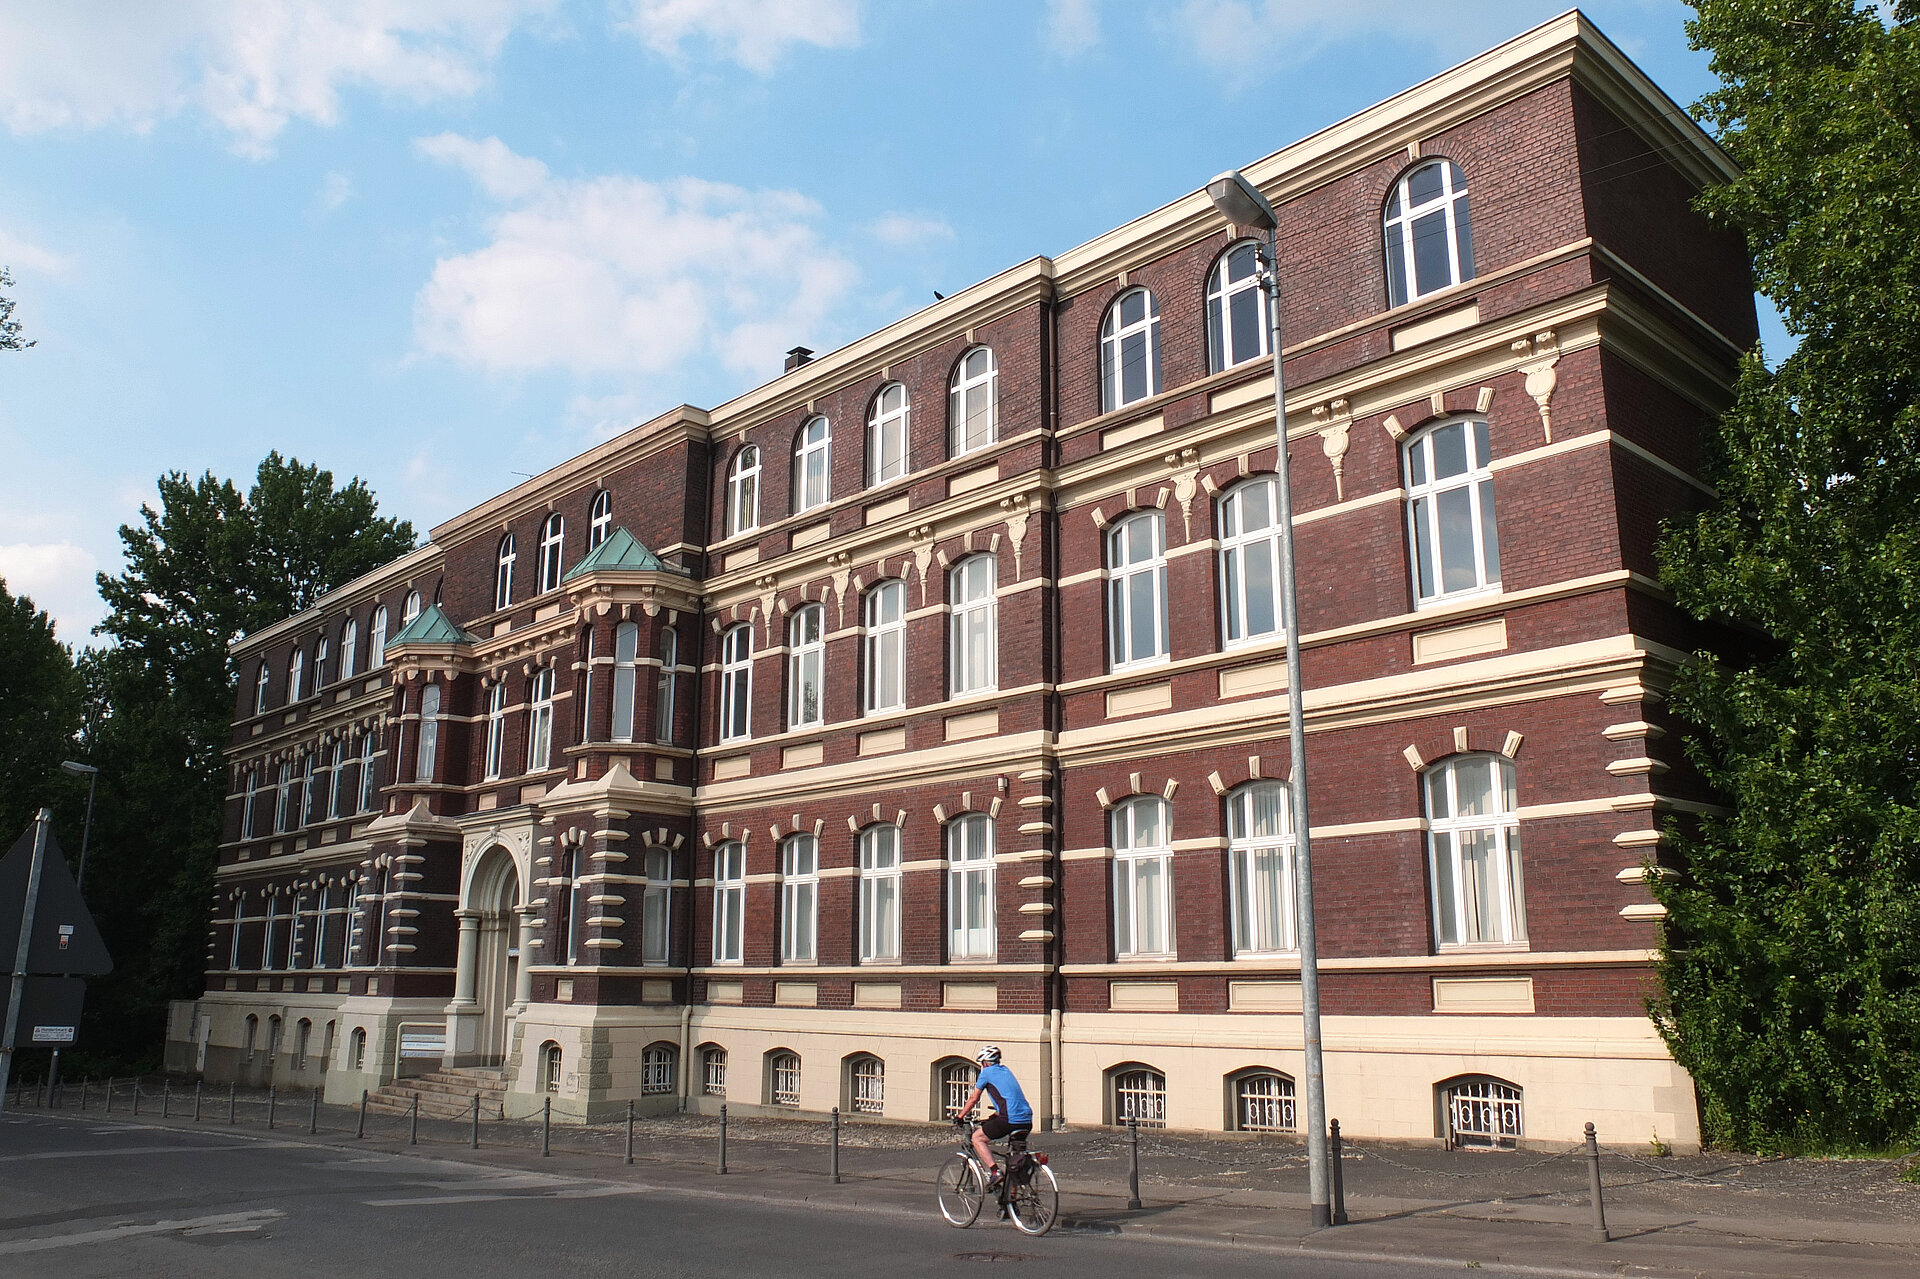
1014 1113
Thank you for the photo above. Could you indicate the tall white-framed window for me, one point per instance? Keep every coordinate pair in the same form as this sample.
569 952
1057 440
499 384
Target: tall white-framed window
429 751
729 901
540 721
283 797
1250 561
1136 591
322 909
887 435
663 695
975 634
599 519
312 789
1260 849
659 1064
626 678
271 935
1456 547
799 899
322 649
337 768
573 928
886 644
584 720
260 683
1143 879
377 639
300 928
1129 350
1238 327
553 543
239 922
356 927
349 648
296 676
369 779
736 683
880 893
410 610
1473 840
1429 236
496 730
973 397
867 1077
806 666
743 491
970 930
252 781
503 573
656 906
813 464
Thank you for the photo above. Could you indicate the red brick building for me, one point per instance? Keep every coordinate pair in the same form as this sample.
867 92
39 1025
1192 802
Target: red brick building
933 692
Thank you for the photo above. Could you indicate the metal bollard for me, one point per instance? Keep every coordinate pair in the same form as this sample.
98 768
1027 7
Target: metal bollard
833 1157
723 1139
272 1099
198 1084
629 1130
233 1100
546 1128
109 1094
413 1137
361 1131
84 1081
475 1143
1593 1187
1133 1163
166 1098
136 1094
313 1117
1337 1173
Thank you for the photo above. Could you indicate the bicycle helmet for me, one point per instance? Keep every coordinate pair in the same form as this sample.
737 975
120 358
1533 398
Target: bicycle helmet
988 1055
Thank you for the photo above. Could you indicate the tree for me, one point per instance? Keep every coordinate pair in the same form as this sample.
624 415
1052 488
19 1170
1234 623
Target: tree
9 327
39 713
1791 955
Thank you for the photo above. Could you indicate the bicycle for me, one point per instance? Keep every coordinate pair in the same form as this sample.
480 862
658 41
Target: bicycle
1029 1196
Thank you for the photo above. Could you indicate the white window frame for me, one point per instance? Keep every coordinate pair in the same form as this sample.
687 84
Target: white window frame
322 649
1264 1101
369 789
956 1085
886 647
296 675
888 435
972 923
1124 342
239 922
1224 291
428 753
1127 579
283 797
247 805
975 386
729 901
659 1070
813 464
553 546
1140 1093
800 899
322 908
338 755
713 1072
1397 223
743 491
880 894
973 588
736 683
575 888
599 519
1484 1112
584 720
410 610
1134 861
1429 541
266 938
783 1069
663 696
1262 871
377 639
349 648
496 758
656 907
1457 923
260 686
626 679
867 1085
540 721
807 666
503 572
310 789
1242 551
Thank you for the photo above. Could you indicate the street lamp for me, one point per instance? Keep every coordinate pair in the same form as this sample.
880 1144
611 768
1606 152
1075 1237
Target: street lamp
1241 203
86 831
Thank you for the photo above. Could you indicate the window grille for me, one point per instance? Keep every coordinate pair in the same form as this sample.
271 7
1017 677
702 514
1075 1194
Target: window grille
1140 1095
713 1072
869 1085
1263 1102
302 1041
956 1083
786 1079
657 1069
550 1067
1483 1113
357 1050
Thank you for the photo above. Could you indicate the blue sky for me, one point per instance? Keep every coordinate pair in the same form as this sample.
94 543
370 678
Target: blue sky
443 243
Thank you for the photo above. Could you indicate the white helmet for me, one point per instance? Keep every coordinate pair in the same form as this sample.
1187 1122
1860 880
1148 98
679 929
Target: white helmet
988 1055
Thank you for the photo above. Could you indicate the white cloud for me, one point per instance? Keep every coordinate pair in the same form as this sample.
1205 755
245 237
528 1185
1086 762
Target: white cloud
250 65
753 33
58 577
500 173
1073 26
335 190
907 229
601 417
624 275
1249 40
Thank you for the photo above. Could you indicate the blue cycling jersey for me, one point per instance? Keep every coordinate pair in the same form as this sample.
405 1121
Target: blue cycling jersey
998 1083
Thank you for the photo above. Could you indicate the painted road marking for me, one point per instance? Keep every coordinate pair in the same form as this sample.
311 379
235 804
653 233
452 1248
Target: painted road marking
231 1222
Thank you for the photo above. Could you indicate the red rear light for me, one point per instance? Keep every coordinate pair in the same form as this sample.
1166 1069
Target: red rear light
1039 1159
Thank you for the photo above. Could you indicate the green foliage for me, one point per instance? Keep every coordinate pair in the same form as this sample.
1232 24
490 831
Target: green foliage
9 327
39 714
1792 949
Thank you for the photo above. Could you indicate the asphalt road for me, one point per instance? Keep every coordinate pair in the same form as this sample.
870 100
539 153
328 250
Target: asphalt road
83 1199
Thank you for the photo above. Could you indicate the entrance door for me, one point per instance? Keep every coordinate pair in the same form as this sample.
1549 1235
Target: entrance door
496 896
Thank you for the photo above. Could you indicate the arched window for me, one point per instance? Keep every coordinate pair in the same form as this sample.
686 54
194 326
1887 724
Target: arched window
799 899
599 519
1482 1111
239 925
729 901
283 798
1238 326
1263 1102
349 648
1474 841
357 1049
887 435
252 783
972 402
411 609
429 733
1250 561
322 649
1137 591
1261 847
659 1067
302 1041
806 666
783 1071
1129 350
1456 549
274 1029
310 789
867 1085
956 1085
540 721
1140 1093
880 893
369 777
975 626
553 541
970 930
322 913
571 891
326 1047
377 639
1143 879
550 1067
260 682
663 696
626 678
1429 236
656 907
496 730
743 491
296 675
713 1071
253 1035
886 643
503 573
736 683
813 464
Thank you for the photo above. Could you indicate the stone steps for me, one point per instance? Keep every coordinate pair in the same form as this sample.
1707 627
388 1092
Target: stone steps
443 1094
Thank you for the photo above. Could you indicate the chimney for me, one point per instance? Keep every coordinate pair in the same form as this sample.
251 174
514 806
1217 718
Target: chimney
798 356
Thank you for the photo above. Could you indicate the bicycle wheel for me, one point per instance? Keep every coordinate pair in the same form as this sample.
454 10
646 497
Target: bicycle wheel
960 1190
1035 1202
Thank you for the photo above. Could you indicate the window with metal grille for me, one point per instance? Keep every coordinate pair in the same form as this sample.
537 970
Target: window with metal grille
1484 1113
302 1041
786 1079
956 1083
713 1072
550 1066
869 1085
658 1065
357 1050
1263 1102
1140 1094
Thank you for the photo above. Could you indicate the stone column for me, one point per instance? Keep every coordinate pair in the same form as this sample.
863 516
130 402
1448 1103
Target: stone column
467 967
523 975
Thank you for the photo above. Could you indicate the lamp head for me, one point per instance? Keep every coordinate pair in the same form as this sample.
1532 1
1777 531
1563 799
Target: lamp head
1240 202
77 768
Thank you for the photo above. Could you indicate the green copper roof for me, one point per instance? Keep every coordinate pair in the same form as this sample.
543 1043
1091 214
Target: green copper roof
431 627
620 552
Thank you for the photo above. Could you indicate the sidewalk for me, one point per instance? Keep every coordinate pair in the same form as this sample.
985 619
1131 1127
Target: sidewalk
1525 1210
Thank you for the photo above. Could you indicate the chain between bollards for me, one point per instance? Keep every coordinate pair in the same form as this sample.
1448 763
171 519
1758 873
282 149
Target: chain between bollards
723 1139
1133 1163
1593 1187
1337 1174
546 1128
475 1142
361 1131
629 1130
413 1137
833 1158
313 1116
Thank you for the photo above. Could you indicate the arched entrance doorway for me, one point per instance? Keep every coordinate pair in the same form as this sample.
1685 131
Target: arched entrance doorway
494 896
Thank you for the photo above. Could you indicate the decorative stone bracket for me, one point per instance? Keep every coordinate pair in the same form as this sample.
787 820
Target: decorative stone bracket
1544 350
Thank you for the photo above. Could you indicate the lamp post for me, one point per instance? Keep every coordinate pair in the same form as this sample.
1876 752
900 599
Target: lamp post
92 774
1241 203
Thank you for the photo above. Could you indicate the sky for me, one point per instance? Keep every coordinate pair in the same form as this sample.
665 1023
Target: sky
445 244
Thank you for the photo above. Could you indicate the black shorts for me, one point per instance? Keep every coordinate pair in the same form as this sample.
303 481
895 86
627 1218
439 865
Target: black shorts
996 1127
